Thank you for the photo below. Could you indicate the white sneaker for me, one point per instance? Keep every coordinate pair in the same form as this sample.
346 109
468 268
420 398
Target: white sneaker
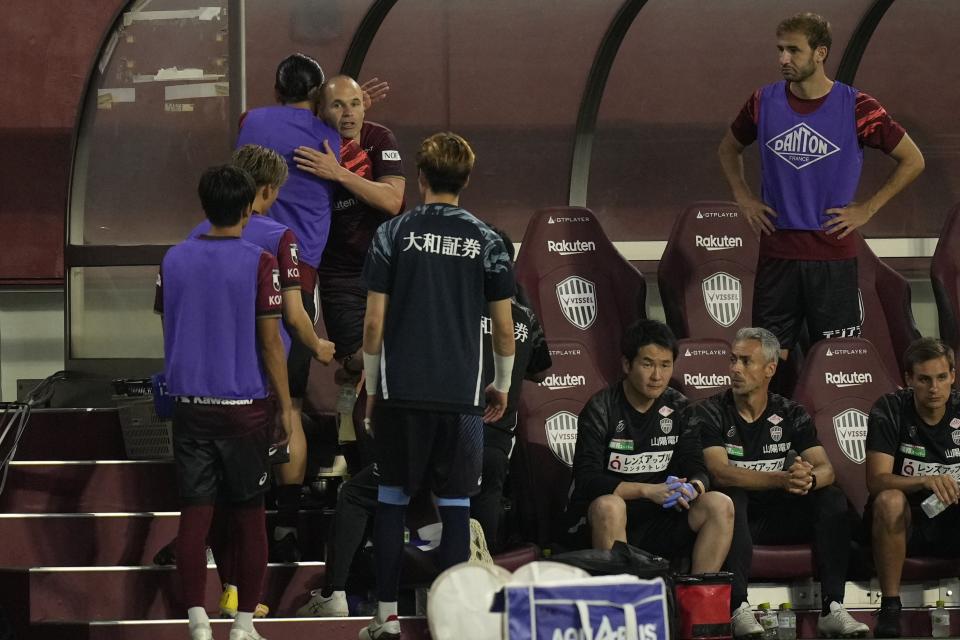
840 624
338 470
376 630
201 632
243 634
479 553
319 607
744 624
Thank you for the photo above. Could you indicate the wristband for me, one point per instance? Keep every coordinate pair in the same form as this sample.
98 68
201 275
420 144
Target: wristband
502 372
813 482
371 366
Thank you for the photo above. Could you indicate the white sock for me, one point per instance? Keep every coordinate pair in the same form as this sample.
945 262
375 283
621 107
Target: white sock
385 610
244 620
279 533
198 617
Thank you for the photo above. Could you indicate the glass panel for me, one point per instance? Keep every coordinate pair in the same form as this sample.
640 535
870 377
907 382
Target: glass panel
506 75
111 313
916 33
683 72
157 114
322 29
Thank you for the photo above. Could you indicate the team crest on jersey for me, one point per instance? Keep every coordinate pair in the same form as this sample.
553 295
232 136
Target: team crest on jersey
956 437
276 280
955 423
851 429
775 419
912 431
665 411
732 431
776 433
620 426
578 301
801 145
666 425
561 430
293 254
723 298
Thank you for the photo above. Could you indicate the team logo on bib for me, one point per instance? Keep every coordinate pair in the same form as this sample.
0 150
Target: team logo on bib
666 425
801 145
850 427
776 433
956 437
723 298
276 280
578 301
561 430
293 254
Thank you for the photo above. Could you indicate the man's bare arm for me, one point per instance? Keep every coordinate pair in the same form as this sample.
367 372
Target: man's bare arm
754 210
725 474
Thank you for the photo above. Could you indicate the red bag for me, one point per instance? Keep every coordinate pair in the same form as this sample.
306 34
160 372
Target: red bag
703 606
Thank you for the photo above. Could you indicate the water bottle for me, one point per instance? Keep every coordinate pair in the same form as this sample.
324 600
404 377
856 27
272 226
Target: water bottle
768 620
940 620
786 623
932 506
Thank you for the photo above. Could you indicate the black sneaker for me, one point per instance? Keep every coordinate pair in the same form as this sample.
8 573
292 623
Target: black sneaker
285 550
888 623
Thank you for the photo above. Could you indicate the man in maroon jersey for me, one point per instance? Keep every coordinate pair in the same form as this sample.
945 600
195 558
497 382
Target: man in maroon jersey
812 131
370 191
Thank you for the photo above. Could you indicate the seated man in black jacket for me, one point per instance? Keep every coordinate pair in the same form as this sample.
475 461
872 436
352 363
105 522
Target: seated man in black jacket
638 474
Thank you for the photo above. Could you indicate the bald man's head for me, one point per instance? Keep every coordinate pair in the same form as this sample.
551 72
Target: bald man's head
342 106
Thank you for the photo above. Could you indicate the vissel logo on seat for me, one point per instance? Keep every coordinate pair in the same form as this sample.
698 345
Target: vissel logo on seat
561 430
851 429
578 301
801 146
723 298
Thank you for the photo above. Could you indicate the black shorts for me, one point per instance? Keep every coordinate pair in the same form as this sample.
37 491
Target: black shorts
936 537
664 532
298 362
231 470
825 293
415 447
344 303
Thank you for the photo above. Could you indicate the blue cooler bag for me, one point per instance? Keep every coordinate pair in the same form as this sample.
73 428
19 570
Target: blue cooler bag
603 608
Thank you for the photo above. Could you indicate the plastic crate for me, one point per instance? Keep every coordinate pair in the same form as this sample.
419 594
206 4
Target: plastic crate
146 436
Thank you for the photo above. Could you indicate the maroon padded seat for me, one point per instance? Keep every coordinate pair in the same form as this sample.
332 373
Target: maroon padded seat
707 272
945 275
887 319
580 286
782 562
547 436
702 368
840 381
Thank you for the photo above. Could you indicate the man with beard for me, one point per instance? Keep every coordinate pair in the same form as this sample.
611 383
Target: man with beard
811 131
912 453
748 437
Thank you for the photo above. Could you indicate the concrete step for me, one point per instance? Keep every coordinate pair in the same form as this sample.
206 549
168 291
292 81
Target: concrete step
89 486
116 539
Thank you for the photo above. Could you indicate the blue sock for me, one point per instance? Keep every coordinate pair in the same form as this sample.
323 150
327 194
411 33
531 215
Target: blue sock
455 542
388 549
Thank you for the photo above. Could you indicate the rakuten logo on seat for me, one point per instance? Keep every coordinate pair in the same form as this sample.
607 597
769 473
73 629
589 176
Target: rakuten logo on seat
851 379
704 381
718 243
568 247
556 381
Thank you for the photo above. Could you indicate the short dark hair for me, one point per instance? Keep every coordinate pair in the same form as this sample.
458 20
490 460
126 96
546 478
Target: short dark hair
814 26
225 193
926 349
643 332
299 78
445 160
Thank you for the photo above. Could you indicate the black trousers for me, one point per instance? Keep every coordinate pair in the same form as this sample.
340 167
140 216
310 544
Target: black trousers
821 517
